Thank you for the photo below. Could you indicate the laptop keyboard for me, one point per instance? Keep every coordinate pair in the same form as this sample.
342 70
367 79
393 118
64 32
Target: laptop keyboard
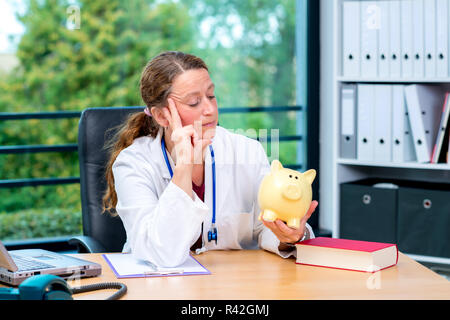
26 264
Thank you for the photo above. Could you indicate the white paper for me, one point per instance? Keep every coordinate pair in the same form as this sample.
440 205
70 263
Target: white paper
125 265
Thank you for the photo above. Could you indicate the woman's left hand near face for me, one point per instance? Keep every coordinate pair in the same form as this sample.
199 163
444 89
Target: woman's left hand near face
287 234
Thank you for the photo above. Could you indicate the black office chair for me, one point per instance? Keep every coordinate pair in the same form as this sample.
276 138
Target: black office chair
101 231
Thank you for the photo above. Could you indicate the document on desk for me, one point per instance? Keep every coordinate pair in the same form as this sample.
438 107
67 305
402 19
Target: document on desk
124 265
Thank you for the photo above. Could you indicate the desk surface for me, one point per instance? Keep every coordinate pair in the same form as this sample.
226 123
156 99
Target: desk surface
257 274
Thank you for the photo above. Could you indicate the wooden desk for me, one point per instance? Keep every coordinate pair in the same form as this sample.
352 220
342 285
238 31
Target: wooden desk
259 275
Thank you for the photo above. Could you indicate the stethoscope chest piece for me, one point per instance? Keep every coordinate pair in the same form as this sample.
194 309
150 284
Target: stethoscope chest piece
212 234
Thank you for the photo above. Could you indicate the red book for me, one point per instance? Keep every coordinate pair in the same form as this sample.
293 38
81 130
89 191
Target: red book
346 254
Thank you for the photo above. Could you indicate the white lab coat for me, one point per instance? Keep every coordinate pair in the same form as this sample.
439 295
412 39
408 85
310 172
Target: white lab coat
162 222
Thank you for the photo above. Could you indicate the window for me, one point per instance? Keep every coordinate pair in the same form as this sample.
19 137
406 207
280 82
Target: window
69 55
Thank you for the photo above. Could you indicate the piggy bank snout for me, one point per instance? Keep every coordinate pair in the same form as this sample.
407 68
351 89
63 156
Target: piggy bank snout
292 191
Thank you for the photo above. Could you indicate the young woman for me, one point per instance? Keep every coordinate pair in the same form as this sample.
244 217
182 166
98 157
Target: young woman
179 182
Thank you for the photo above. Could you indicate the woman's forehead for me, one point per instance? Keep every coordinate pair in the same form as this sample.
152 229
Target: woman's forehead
192 81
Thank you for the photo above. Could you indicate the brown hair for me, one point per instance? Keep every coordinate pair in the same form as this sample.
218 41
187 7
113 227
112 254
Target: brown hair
155 86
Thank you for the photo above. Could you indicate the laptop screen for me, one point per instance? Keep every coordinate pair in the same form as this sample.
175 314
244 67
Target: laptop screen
5 259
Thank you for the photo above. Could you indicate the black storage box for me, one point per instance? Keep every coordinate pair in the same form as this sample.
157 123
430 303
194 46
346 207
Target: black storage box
368 213
424 219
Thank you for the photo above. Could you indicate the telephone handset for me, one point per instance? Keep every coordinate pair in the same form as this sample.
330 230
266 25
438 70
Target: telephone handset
51 287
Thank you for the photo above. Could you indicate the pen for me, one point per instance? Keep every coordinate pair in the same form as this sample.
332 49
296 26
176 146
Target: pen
151 265
157 271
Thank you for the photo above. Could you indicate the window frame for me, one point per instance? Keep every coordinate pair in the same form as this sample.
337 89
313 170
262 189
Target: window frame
308 93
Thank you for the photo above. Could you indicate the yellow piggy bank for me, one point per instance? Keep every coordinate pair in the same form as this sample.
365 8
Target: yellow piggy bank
285 194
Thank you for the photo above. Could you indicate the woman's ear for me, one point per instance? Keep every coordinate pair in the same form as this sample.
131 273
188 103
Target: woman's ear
159 117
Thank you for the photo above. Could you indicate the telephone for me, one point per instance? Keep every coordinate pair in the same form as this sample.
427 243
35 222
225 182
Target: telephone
51 287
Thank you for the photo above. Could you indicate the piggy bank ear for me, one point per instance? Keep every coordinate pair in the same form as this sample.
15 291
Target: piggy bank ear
310 175
275 166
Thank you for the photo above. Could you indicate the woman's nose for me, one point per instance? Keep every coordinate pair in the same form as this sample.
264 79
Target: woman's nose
208 106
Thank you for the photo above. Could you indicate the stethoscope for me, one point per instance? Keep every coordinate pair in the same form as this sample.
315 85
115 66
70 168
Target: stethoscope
212 233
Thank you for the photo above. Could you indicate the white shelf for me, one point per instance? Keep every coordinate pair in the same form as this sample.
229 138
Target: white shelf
392 80
335 170
406 165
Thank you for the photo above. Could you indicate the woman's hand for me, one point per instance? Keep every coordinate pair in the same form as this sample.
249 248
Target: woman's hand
287 234
188 145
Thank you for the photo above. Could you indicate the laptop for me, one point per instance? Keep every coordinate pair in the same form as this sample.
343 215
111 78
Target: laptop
18 265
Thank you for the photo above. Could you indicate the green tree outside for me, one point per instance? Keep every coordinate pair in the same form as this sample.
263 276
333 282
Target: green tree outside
98 63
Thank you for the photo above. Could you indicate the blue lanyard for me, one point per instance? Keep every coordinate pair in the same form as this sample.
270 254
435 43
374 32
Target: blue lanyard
212 233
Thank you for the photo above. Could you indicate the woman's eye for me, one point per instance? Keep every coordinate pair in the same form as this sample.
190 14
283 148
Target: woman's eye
194 103
211 97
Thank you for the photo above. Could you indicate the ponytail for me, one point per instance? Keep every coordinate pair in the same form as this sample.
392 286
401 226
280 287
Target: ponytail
137 125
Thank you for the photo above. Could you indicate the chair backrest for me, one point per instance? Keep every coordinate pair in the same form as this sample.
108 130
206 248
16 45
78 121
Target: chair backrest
97 126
